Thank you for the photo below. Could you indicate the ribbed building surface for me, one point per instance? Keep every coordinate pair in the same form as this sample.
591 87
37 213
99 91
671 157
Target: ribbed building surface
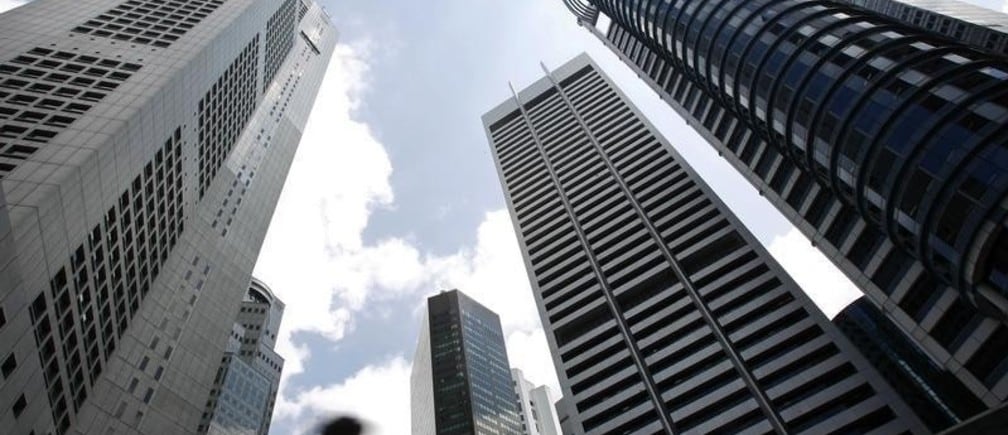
663 313
460 382
882 143
143 146
979 27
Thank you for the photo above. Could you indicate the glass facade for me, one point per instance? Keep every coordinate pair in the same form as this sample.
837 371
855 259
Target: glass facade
241 404
880 141
248 380
939 398
844 95
467 378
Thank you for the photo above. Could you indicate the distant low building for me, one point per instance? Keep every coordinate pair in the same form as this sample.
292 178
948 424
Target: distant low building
245 389
538 415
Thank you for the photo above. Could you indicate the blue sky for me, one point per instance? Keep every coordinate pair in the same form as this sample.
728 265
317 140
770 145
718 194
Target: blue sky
393 196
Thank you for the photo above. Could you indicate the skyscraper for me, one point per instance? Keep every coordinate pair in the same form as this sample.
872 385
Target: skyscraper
663 313
245 388
461 381
881 142
979 27
939 399
144 144
535 405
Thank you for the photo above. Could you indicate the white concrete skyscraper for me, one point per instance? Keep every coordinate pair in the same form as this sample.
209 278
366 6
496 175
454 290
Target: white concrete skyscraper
143 146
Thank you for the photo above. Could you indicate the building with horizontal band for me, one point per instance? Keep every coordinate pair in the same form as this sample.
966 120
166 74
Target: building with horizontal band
662 312
882 142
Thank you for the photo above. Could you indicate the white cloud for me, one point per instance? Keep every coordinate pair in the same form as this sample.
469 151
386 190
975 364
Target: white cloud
822 281
377 394
316 261
6 5
341 156
491 272
528 350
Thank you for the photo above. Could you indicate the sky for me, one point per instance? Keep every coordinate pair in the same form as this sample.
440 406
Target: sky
393 196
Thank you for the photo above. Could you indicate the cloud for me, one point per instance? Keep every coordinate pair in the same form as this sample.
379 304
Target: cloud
491 272
377 394
6 5
315 259
822 281
339 175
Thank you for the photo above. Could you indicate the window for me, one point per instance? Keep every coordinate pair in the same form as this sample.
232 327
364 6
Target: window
9 365
19 406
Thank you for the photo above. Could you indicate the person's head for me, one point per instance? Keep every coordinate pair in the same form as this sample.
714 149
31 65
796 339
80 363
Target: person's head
343 426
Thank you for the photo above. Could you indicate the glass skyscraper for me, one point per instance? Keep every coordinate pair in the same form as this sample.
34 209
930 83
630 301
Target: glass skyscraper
461 380
882 142
663 314
143 146
939 399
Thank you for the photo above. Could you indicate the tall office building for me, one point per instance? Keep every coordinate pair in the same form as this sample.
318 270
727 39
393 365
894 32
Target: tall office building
884 144
461 381
143 146
245 388
664 314
963 22
939 399
537 414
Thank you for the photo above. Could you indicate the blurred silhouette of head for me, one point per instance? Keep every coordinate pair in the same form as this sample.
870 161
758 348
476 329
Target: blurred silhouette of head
343 426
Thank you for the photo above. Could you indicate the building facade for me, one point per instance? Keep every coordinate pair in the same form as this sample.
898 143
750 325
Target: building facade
976 26
538 416
937 397
822 107
460 381
663 313
245 388
144 145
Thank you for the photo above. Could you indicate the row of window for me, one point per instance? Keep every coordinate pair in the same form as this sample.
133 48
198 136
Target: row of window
105 280
893 272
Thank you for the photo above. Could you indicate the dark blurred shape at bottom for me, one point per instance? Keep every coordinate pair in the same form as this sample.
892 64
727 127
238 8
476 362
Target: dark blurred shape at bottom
343 426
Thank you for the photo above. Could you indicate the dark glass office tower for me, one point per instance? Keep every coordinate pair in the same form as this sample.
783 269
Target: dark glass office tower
461 381
143 146
938 398
663 313
883 143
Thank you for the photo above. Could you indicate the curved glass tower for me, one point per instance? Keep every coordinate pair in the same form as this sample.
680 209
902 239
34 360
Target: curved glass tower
883 143
903 127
